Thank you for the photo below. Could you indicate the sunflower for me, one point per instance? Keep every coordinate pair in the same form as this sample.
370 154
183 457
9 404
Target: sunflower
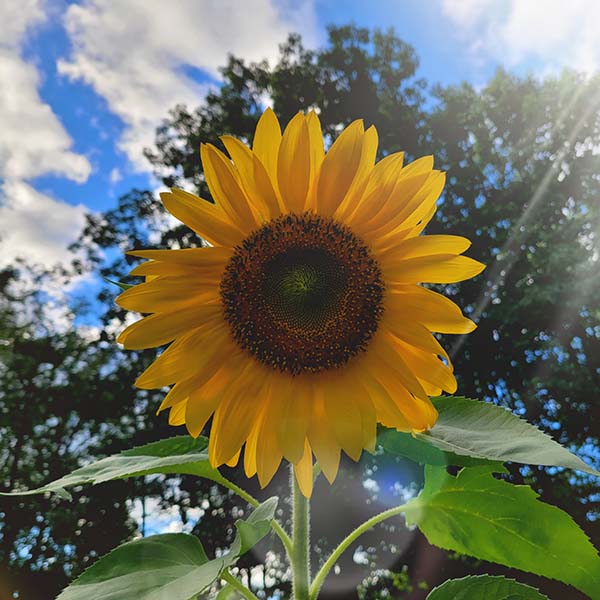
302 323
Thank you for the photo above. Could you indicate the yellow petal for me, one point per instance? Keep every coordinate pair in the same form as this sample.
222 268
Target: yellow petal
382 347
177 414
267 140
436 268
264 188
295 403
206 219
166 294
426 245
419 413
322 439
368 417
317 154
408 194
254 178
379 186
414 212
363 175
225 188
197 413
207 257
179 392
162 328
236 413
303 471
268 450
250 449
433 310
432 390
424 203
198 273
411 331
234 460
187 356
241 156
204 400
339 168
428 367
424 164
293 166
317 150
344 414
427 215
387 410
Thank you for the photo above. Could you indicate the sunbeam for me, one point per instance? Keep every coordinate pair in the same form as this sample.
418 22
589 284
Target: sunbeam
509 253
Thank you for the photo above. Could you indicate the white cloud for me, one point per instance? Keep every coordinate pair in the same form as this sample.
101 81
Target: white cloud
35 226
17 17
33 142
544 36
115 175
134 52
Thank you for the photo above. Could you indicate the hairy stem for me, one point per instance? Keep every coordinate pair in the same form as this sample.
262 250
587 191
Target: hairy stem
300 541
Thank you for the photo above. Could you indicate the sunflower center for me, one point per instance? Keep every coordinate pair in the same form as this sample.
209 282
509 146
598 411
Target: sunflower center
303 287
302 294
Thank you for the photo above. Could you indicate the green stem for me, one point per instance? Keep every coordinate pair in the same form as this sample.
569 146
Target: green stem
275 525
300 540
345 543
234 583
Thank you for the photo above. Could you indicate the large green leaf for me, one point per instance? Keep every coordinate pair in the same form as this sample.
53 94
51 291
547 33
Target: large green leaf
180 455
476 514
484 587
171 565
421 450
469 432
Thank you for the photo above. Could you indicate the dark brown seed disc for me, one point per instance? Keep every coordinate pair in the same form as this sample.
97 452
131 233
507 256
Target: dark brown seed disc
302 294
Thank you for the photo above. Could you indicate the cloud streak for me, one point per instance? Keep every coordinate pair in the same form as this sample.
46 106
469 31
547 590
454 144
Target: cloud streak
137 54
544 36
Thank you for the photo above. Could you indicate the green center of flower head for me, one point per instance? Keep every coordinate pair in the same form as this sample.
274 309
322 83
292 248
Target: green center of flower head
302 294
304 287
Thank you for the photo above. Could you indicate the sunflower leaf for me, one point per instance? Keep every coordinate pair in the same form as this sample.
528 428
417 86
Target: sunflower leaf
484 587
476 514
470 432
170 565
181 455
423 451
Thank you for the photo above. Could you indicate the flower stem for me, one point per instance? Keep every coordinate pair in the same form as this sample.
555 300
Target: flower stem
234 583
345 543
300 540
275 525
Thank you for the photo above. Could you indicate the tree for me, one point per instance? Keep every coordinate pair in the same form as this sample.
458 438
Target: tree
53 415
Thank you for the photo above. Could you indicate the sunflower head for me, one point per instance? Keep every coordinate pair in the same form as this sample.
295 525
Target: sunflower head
312 294
303 323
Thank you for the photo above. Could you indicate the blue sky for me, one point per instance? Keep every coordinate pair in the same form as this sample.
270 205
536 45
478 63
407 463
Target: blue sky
85 83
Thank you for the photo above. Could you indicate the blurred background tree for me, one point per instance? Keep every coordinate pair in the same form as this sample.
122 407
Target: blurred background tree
523 183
